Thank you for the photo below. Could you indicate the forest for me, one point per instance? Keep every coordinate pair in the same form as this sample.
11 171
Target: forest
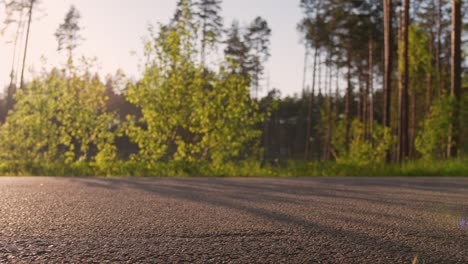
385 92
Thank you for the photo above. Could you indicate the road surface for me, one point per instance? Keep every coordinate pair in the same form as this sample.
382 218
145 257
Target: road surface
241 220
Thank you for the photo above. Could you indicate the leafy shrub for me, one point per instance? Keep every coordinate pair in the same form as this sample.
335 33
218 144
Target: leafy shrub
432 139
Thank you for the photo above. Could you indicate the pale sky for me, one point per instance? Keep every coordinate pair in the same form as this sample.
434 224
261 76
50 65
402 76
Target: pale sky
114 28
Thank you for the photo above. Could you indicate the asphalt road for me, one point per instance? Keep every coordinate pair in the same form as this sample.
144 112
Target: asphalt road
242 220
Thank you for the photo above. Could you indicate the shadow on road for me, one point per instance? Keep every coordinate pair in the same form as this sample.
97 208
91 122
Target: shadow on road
364 212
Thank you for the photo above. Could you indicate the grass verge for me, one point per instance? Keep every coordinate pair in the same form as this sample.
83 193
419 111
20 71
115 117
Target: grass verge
458 167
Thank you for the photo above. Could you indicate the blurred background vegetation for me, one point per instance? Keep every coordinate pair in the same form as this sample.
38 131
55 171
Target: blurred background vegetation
389 96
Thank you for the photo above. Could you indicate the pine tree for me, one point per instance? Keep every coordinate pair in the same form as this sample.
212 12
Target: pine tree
258 39
237 51
388 62
68 33
455 87
208 14
30 5
403 139
184 19
14 17
15 10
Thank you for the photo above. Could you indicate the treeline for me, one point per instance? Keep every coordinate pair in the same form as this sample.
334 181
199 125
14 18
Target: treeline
381 84
400 64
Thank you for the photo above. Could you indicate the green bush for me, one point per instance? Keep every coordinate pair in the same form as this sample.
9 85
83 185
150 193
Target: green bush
364 149
432 140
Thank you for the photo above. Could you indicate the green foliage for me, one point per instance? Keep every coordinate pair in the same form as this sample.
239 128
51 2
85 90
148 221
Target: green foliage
188 113
364 149
246 168
419 55
227 117
186 118
464 116
432 140
59 118
30 133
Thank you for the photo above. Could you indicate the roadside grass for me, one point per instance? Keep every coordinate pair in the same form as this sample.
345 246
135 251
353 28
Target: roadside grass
456 167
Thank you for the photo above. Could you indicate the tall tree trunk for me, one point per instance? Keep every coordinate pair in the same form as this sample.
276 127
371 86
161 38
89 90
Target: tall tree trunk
429 75
320 101
439 48
349 90
203 46
388 62
403 139
266 126
337 92
257 77
310 107
400 83
329 116
305 96
335 107
325 135
11 90
455 86
412 127
388 68
360 102
15 49
371 87
27 42
19 58
304 76
365 106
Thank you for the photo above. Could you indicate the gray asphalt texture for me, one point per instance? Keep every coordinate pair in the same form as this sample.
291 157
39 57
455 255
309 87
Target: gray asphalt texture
235 220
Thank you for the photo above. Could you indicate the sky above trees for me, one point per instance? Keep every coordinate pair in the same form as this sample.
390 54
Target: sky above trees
113 33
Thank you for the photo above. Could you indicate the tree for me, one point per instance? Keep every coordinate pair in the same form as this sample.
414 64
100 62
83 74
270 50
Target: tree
438 47
258 39
419 61
455 87
181 8
328 117
14 16
310 105
388 62
403 139
370 88
211 24
237 51
337 29
30 134
15 12
184 18
311 30
30 4
68 33
59 119
431 141
189 114
427 16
